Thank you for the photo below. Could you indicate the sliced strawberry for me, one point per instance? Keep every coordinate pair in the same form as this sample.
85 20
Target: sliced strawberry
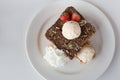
65 17
76 17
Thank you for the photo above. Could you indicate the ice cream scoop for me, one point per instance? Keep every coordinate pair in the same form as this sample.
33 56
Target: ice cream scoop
71 30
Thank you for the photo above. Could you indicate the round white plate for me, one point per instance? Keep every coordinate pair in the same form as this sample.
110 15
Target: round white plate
103 42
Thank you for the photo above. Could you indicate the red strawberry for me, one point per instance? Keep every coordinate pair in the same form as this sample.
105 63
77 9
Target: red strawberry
76 17
65 17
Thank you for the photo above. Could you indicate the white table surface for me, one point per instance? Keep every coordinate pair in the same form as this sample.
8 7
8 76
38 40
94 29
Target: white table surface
15 17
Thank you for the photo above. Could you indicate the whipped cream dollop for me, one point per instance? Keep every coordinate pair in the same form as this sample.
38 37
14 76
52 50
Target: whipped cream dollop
55 57
71 30
86 54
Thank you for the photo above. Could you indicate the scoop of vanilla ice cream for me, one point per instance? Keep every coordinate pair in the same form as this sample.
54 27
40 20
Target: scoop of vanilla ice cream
86 54
55 57
71 30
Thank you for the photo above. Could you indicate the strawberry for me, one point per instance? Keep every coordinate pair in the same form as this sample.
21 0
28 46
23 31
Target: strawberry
76 17
65 17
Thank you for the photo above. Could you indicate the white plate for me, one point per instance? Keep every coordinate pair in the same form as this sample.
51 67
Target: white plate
103 42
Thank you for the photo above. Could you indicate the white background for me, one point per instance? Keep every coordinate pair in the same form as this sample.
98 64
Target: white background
15 17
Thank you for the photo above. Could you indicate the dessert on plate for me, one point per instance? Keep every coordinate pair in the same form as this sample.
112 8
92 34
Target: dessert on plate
70 36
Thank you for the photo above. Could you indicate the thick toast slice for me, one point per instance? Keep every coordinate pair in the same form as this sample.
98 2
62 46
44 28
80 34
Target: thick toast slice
70 47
